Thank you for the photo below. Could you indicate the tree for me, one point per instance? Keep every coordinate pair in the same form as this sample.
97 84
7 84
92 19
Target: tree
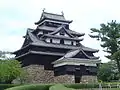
9 70
108 71
109 35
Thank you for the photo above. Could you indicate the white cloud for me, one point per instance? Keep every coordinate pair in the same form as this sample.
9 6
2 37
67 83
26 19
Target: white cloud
11 43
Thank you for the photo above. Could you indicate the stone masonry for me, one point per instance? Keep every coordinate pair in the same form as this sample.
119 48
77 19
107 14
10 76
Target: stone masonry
89 79
37 74
64 79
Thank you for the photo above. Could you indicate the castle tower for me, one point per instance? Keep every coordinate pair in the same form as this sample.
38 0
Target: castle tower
57 48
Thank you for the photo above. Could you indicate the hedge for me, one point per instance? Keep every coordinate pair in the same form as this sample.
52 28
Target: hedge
4 86
31 87
92 85
57 86
80 86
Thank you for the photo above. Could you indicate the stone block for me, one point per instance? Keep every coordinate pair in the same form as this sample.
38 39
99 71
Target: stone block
64 79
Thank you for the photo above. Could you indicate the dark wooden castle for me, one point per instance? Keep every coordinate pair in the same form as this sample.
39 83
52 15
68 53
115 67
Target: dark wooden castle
56 47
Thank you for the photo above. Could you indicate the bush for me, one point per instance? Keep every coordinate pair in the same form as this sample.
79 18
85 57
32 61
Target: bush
80 86
59 87
5 86
31 87
9 70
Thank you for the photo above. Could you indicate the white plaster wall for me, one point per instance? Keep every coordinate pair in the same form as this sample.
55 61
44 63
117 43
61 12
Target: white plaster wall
58 34
66 35
74 42
73 63
41 32
67 42
56 40
47 39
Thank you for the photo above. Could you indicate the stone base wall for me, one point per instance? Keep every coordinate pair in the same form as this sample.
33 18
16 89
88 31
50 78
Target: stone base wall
64 79
37 74
88 79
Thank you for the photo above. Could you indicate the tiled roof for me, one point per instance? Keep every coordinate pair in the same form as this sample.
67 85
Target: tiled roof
63 37
72 53
53 16
53 21
39 42
48 53
75 60
62 27
42 53
53 29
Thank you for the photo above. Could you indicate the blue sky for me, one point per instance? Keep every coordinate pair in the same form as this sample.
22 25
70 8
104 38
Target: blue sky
18 15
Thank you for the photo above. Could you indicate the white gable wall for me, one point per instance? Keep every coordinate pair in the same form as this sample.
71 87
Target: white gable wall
58 34
67 42
56 40
47 39
74 42
41 32
67 35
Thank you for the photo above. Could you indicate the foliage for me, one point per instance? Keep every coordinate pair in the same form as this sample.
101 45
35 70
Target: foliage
109 35
31 87
80 86
9 70
108 72
61 86
5 86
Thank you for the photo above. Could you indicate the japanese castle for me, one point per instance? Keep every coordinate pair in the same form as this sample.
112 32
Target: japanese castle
57 48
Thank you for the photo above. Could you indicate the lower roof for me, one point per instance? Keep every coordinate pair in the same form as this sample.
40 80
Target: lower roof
76 61
37 42
41 53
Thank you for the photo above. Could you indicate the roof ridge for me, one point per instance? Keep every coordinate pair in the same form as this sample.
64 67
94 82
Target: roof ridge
58 29
53 14
88 55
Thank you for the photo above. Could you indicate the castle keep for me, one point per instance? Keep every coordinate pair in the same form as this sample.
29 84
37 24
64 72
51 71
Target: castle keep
57 51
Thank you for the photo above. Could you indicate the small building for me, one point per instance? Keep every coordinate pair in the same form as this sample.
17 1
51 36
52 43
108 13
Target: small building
57 48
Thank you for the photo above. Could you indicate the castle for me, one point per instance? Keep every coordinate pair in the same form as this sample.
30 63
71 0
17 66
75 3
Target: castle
58 50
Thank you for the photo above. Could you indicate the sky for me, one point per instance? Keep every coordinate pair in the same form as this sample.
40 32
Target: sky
18 15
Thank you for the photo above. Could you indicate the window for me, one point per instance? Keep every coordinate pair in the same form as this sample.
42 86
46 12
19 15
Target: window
77 43
50 40
61 41
71 42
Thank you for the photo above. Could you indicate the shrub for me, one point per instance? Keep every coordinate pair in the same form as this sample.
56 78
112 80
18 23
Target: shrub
59 87
5 86
80 86
9 70
31 87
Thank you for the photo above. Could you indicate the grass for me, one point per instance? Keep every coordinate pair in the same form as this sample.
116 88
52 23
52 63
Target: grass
62 87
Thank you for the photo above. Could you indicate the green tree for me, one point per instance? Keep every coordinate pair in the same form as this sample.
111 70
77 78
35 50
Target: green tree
108 71
9 70
109 35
